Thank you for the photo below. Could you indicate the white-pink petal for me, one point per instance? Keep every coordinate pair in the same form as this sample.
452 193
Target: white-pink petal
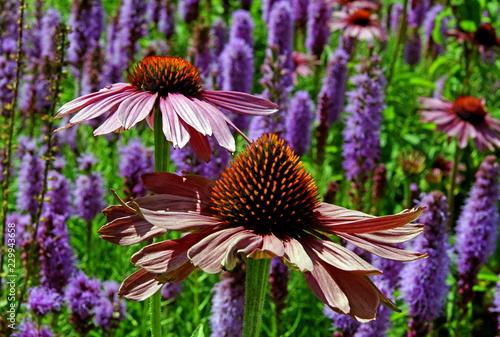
240 102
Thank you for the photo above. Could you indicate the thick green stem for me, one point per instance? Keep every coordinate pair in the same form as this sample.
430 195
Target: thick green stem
256 285
451 194
162 159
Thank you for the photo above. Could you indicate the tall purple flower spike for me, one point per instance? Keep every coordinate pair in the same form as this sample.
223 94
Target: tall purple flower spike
242 27
280 32
89 190
298 123
318 31
135 159
30 182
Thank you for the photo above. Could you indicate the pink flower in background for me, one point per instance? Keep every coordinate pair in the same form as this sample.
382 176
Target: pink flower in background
264 205
465 118
170 86
360 24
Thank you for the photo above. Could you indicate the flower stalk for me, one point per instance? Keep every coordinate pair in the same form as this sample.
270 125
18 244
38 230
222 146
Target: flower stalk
256 282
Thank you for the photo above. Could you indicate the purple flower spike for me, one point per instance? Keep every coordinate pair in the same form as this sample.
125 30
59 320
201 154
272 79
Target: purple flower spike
300 12
318 31
30 182
135 160
43 300
89 190
83 296
56 258
242 27
87 24
429 21
378 327
417 12
218 33
132 25
58 194
477 227
413 49
424 287
298 123
267 6
23 224
344 324
396 13
332 95
189 10
279 283
110 310
171 291
166 20
228 303
30 329
280 32
361 149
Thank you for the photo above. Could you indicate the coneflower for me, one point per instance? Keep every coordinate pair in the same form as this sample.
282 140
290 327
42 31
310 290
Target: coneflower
424 288
298 123
318 32
242 26
477 228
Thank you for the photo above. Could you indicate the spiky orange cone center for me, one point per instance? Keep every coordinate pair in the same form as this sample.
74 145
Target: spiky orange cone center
469 109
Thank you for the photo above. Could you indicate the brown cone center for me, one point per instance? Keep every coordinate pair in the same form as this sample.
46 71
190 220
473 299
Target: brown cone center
266 189
486 35
360 17
164 75
469 109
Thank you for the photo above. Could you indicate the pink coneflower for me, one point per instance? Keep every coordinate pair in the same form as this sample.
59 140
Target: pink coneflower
465 118
360 24
170 86
264 205
304 65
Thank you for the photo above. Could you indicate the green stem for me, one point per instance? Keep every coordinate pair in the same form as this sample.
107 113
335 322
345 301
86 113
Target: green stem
451 194
256 285
162 159
399 40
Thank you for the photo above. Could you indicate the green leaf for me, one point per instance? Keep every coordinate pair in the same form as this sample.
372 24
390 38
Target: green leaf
468 25
422 82
198 332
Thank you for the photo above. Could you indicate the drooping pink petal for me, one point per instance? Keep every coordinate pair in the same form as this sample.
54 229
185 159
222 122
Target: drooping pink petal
295 255
209 252
173 127
178 274
219 126
129 230
179 221
110 124
240 102
190 113
135 108
140 285
245 242
107 104
271 247
191 186
435 104
336 255
200 144
83 101
375 244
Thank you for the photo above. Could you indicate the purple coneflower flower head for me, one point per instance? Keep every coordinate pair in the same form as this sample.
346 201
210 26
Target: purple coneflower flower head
30 182
170 291
298 123
416 13
280 34
43 300
189 114
186 161
228 303
466 117
318 32
242 27
424 288
344 325
332 95
477 226
110 310
360 24
189 10
413 49
30 329
56 258
361 149
87 24
58 194
279 277
83 296
218 34
135 159
395 16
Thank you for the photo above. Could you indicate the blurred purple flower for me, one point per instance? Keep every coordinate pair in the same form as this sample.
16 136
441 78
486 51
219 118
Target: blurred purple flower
280 32
267 7
496 304
89 190
430 22
132 24
171 291
395 16
135 159
361 149
413 49
242 27
22 224
218 34
113 67
110 310
318 31
380 326
477 227
279 277
189 10
30 329
43 300
166 19
346 325
298 123
56 258
92 77
300 10
416 13
30 182
83 296
228 303
58 194
424 288
87 24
